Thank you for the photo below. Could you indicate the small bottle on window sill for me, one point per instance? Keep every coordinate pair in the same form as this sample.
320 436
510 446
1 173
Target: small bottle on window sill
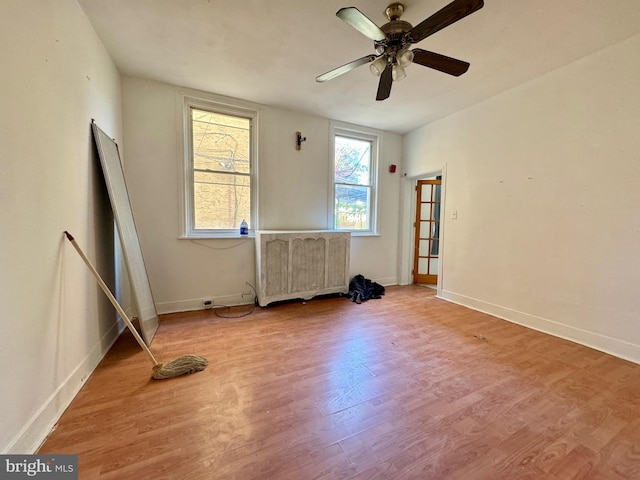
244 228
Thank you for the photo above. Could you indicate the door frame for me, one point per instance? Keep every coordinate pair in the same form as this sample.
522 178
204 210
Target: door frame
407 232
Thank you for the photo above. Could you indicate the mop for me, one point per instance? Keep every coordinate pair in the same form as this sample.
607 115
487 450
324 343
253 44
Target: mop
180 366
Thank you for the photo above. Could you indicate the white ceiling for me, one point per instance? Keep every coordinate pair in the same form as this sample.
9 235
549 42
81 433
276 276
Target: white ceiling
270 51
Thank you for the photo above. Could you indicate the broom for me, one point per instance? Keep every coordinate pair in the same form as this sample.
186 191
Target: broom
180 366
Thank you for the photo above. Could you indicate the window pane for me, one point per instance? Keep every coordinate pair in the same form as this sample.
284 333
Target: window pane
352 207
425 229
220 142
221 200
433 266
423 266
425 211
352 160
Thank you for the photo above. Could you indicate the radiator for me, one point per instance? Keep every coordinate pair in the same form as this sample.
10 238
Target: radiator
301 264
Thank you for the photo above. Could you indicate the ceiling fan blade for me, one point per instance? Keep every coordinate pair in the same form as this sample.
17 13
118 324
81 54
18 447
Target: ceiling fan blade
386 80
361 22
453 12
345 68
440 62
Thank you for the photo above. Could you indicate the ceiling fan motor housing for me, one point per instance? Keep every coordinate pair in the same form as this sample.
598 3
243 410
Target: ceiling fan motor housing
396 32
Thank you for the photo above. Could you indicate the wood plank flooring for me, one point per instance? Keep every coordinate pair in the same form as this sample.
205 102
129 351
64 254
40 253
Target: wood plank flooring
406 387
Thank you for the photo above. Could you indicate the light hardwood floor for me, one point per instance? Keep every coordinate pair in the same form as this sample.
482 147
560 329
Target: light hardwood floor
408 386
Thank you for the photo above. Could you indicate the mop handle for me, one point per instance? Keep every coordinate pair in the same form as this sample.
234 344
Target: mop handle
113 300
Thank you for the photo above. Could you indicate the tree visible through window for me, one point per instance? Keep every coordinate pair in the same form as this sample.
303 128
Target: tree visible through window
353 183
221 146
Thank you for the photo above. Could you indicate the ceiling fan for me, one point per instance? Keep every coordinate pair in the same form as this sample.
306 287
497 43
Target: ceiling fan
392 41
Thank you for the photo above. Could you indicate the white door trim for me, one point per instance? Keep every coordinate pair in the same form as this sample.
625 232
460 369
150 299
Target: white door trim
408 215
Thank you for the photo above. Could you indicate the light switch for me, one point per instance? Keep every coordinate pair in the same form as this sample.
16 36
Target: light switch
454 214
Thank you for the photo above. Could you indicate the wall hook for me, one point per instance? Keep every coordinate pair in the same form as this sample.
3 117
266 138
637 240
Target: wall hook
299 140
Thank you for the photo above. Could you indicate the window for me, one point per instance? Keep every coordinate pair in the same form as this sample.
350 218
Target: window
220 169
354 175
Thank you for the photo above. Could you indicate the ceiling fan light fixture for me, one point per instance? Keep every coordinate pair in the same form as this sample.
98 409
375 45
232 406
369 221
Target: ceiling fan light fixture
405 57
398 72
378 65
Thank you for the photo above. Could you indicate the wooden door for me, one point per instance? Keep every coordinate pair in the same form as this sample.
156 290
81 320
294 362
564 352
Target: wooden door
427 232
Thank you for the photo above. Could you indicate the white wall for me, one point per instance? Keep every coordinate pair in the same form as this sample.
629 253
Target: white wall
294 194
55 325
544 179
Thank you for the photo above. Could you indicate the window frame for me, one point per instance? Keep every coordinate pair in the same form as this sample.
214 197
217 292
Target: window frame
215 104
357 133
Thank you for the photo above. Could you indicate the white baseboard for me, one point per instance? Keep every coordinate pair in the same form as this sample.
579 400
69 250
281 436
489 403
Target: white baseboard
387 281
613 346
40 425
196 303
228 300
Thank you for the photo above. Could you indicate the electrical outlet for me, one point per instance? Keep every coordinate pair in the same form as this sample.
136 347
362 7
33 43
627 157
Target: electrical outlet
247 293
207 303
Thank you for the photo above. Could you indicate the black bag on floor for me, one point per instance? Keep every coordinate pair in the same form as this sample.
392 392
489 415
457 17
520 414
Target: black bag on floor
362 289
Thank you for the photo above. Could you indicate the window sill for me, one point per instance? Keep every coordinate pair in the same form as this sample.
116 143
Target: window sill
209 236
364 234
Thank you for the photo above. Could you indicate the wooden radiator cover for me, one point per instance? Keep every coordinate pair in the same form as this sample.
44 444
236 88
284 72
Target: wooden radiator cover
301 264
